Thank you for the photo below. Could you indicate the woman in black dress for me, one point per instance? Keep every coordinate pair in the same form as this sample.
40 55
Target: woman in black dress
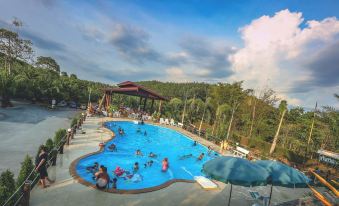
41 166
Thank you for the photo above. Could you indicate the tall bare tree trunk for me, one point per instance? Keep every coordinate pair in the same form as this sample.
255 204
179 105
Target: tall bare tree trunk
202 119
274 143
183 113
311 131
253 116
230 125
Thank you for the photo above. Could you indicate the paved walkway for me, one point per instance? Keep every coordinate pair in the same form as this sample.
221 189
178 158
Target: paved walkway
66 191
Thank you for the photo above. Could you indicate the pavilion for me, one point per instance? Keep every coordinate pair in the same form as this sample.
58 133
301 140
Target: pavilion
133 89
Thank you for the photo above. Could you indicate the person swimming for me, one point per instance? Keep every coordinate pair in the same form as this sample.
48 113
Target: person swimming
151 154
165 165
119 171
138 153
139 130
194 144
148 164
201 156
135 167
114 183
93 169
145 133
112 148
185 156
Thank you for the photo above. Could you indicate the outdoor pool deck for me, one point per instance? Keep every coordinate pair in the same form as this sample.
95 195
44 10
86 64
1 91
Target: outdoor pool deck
67 191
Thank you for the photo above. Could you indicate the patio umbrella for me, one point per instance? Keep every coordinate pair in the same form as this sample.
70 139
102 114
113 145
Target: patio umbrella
236 171
283 175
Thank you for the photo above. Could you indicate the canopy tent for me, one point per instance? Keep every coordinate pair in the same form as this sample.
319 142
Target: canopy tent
132 89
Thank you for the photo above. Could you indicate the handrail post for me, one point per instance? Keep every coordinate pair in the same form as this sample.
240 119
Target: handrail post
69 136
73 132
61 148
26 193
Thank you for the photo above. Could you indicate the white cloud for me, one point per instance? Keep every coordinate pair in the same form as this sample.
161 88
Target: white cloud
276 50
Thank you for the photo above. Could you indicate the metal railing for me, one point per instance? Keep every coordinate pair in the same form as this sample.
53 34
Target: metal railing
17 196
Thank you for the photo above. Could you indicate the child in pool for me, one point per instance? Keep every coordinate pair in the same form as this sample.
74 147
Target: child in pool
165 165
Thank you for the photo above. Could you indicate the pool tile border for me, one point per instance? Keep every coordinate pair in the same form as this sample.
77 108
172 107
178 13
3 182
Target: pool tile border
74 174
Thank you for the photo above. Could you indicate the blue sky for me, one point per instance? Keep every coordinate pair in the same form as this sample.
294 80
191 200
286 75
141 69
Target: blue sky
283 45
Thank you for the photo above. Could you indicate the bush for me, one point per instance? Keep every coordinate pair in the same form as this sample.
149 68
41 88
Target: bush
49 145
7 186
59 135
74 121
293 157
26 168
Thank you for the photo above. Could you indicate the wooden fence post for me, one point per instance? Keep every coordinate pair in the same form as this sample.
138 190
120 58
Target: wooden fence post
26 191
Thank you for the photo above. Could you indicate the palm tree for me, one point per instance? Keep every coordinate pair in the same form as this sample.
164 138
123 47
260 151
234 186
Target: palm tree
282 109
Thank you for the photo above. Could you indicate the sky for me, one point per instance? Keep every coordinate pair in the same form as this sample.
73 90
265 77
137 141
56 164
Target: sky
291 46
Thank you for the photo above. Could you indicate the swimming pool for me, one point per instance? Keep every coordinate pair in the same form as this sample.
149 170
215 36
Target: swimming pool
164 142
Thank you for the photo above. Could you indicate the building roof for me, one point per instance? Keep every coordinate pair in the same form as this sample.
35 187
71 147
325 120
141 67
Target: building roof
329 154
133 89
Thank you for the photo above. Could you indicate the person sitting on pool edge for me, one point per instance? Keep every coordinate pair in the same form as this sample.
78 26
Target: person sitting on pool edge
102 178
209 150
136 167
194 144
165 165
185 156
94 168
112 148
201 156
151 154
114 183
138 153
148 164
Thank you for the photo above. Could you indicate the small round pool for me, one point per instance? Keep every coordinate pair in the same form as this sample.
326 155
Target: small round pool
164 142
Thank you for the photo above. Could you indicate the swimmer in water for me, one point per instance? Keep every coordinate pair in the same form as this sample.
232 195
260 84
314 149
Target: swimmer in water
201 156
135 167
148 164
138 153
145 133
194 144
139 130
185 156
165 165
151 154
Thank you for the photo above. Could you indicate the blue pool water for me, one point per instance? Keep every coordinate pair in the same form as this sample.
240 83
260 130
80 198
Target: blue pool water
164 142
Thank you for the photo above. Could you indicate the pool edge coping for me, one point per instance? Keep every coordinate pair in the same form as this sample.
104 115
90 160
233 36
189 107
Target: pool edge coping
79 179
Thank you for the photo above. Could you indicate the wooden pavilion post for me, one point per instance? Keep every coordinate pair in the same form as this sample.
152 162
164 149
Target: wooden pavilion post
145 102
140 101
151 111
160 104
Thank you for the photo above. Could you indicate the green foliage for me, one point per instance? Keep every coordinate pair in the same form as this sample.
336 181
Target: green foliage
112 108
26 167
59 135
7 186
74 121
49 144
48 63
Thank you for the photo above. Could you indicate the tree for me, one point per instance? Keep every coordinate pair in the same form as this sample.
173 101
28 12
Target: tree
49 144
7 186
13 48
282 109
48 63
59 135
26 168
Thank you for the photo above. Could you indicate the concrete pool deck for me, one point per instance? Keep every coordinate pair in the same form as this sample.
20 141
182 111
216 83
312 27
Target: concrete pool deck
67 191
